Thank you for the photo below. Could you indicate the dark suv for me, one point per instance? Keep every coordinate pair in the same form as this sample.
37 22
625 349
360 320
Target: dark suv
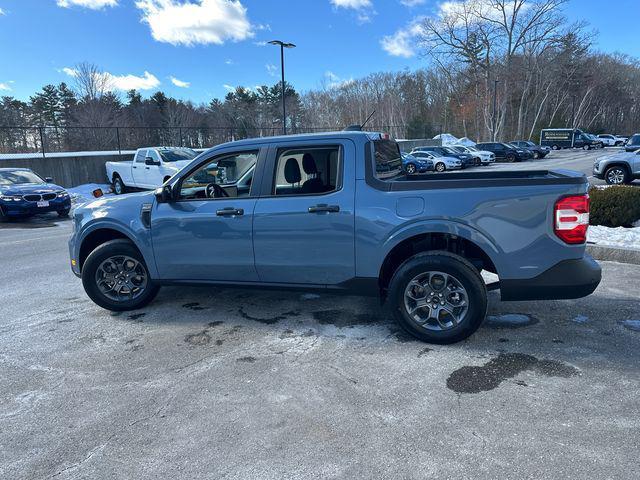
504 151
467 159
536 150
633 144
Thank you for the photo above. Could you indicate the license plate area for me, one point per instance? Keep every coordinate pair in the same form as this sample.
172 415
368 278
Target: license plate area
42 204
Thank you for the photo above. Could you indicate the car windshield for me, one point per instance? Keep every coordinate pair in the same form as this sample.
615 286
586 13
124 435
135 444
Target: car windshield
473 149
177 154
459 149
449 150
508 146
17 177
635 140
388 158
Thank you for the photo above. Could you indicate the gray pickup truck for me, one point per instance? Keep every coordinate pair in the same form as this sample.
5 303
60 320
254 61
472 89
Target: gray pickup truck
335 212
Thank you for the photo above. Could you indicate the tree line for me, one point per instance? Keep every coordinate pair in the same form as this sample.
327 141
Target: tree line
500 69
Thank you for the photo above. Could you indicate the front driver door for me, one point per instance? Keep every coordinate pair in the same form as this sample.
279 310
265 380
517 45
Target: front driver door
206 234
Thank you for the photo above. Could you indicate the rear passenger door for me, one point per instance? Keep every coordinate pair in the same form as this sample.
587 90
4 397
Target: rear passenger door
303 226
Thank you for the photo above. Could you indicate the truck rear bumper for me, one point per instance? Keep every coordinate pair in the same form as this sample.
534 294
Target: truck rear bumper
565 280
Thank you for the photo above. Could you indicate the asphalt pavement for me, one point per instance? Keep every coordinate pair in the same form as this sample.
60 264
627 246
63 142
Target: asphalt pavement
241 384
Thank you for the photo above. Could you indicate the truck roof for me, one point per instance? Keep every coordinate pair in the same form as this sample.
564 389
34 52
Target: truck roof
303 136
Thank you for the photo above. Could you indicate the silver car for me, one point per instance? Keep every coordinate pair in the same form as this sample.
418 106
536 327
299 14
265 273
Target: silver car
440 164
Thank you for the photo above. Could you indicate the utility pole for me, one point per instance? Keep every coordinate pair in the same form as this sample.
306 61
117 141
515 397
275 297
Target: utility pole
283 45
573 111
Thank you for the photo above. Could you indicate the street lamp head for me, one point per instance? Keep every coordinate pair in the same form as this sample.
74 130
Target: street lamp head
282 44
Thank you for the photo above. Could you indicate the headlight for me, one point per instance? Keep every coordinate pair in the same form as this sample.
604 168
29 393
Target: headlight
10 198
63 194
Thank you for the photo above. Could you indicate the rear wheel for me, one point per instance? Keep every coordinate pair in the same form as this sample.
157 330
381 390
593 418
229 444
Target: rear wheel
410 168
510 157
440 167
616 175
118 185
536 155
116 277
586 147
555 147
438 297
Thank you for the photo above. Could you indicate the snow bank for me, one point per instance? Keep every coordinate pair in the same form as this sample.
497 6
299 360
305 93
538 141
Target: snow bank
467 142
615 237
84 193
447 139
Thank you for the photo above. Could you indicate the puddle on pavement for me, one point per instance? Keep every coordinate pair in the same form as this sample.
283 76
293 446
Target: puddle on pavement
246 359
345 318
510 320
580 319
476 379
268 320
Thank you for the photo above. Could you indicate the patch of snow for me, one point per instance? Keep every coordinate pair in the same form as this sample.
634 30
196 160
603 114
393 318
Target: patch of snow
84 193
467 142
580 319
615 237
447 139
631 325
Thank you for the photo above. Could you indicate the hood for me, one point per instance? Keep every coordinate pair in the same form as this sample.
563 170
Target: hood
624 156
27 188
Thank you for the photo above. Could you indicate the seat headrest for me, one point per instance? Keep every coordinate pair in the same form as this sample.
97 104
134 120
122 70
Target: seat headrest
292 171
309 164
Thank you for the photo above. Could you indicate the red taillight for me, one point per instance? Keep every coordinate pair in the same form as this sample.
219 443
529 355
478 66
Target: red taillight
571 218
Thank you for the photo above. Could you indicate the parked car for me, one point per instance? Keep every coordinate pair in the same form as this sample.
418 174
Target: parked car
558 138
413 165
618 169
612 140
597 142
466 159
633 143
150 168
441 164
335 212
486 158
537 151
506 152
23 193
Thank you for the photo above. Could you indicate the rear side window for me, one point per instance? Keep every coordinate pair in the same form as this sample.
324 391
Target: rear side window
307 171
388 158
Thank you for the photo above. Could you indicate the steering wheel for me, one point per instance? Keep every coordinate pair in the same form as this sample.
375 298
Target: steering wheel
213 190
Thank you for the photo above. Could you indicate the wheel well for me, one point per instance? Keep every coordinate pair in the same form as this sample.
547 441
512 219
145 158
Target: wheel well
432 242
115 175
97 238
622 165
164 180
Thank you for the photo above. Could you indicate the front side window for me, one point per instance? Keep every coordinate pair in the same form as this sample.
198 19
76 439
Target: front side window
141 156
221 177
307 171
177 154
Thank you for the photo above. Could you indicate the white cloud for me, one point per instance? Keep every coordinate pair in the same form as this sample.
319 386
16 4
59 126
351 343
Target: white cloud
403 43
4 87
271 69
180 83
455 11
261 43
412 3
355 4
228 61
147 81
229 88
92 4
2 12
202 22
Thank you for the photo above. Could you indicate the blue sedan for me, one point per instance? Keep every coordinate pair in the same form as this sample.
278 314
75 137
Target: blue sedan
413 165
24 193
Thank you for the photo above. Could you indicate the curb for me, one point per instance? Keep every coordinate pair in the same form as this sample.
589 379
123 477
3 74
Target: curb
614 254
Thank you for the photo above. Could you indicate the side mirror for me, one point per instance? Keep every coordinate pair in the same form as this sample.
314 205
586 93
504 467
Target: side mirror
150 161
164 194
48 179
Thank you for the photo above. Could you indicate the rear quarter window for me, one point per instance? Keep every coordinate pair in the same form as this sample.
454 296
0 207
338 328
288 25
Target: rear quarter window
388 159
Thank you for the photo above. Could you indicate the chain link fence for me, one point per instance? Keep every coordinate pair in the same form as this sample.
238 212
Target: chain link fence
51 139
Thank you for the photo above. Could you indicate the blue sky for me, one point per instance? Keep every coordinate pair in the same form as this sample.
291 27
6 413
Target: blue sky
214 44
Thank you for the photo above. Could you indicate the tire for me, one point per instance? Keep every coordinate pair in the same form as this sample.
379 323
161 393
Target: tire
430 268
98 260
411 168
536 155
64 213
118 185
3 217
617 175
165 180
586 147
555 147
440 167
510 158
478 162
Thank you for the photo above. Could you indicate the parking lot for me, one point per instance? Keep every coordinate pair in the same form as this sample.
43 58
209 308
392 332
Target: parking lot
221 383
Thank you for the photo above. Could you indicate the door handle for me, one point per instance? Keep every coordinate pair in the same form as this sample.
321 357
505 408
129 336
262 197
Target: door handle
323 207
146 168
229 212
134 167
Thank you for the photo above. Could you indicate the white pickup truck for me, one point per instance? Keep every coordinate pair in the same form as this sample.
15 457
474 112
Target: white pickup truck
150 168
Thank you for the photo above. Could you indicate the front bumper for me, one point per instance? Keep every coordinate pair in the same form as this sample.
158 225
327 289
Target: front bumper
23 208
566 280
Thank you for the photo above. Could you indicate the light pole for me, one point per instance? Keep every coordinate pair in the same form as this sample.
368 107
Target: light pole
495 100
283 45
573 111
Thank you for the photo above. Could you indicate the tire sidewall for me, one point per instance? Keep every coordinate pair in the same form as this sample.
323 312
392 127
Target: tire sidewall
93 261
118 181
410 167
625 179
447 263
443 167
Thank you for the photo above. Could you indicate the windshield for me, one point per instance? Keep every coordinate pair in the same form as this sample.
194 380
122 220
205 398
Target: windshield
177 155
388 158
449 150
459 149
635 140
17 177
473 149
511 147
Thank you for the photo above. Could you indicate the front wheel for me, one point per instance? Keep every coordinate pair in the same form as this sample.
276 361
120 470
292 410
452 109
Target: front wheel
438 297
116 277
536 155
586 147
511 158
440 167
411 168
616 176
555 147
